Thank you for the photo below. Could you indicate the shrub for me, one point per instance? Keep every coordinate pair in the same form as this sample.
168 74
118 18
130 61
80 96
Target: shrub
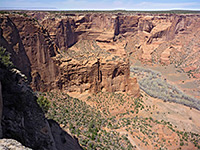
5 58
152 83
44 103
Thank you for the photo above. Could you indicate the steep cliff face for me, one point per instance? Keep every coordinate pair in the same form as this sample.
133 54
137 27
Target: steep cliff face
31 50
23 120
67 30
61 31
1 109
151 38
46 41
96 75
166 39
11 40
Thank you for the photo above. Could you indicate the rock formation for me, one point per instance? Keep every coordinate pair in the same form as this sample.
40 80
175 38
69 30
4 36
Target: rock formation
1 109
45 48
77 52
83 52
11 145
31 50
23 120
152 38
166 39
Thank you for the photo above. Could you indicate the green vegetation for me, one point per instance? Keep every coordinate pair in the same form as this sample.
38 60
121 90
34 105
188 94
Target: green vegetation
5 58
104 124
152 83
44 103
85 122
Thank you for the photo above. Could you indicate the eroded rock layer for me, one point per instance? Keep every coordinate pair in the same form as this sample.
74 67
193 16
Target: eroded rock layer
77 52
151 38
41 50
31 50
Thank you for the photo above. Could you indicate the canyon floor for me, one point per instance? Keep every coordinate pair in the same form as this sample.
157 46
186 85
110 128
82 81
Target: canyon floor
120 121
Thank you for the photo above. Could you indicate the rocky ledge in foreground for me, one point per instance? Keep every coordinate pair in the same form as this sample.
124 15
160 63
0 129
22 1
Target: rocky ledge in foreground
23 120
11 144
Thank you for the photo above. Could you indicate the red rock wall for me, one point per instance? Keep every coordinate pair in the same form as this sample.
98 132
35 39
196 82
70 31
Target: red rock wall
35 46
31 50
98 75
38 55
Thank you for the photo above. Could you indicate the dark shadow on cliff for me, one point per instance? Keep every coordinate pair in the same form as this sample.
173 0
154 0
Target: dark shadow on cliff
62 138
23 119
15 47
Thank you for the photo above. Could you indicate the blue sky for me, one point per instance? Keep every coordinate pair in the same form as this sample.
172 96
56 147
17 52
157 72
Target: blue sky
101 4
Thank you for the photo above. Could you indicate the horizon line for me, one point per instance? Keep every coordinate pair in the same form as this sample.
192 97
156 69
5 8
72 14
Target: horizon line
56 9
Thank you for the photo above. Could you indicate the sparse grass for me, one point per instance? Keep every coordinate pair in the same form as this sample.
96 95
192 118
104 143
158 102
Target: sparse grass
99 127
85 122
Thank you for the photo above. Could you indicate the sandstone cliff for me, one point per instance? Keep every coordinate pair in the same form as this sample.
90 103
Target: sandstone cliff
46 51
151 38
165 39
97 74
31 50
69 51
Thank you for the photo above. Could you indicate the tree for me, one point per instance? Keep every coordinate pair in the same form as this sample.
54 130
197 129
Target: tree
44 103
5 58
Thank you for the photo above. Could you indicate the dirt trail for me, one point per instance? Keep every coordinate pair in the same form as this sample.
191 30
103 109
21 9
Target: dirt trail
130 139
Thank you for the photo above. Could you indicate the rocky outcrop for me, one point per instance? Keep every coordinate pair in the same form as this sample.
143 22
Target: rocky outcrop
67 30
23 119
1 109
163 38
51 46
61 31
48 44
62 139
11 144
31 49
98 74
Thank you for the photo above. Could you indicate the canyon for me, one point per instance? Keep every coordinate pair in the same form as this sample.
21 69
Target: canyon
83 54
70 51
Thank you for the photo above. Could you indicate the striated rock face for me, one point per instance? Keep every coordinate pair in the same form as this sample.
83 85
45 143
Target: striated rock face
151 38
69 51
166 39
61 31
23 120
31 50
65 31
53 49
97 75
91 64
